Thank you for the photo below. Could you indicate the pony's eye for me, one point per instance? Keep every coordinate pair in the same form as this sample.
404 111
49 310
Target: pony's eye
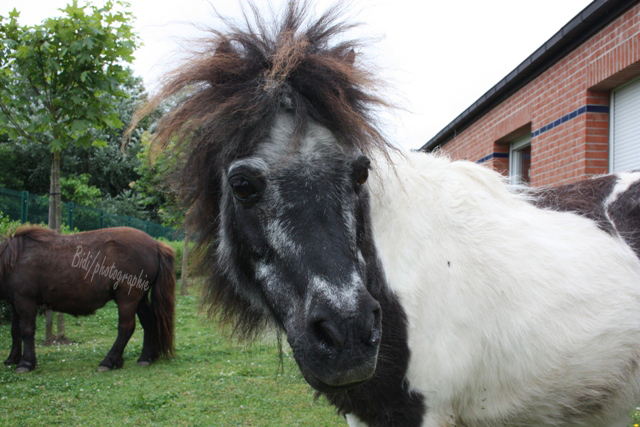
243 190
360 172
362 178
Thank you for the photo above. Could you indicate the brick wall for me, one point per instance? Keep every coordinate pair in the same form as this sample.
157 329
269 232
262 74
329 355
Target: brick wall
565 109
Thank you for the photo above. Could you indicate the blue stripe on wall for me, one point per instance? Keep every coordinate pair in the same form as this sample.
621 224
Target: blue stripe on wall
570 116
493 156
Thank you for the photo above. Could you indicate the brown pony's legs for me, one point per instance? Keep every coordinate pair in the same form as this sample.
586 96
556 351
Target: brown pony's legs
146 316
16 340
26 313
126 326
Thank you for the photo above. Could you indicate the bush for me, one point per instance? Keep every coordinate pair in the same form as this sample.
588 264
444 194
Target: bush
76 189
7 226
178 248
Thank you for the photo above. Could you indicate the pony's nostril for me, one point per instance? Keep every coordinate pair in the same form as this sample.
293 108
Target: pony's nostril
329 334
375 325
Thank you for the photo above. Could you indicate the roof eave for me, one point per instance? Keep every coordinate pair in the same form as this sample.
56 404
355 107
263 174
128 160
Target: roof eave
583 26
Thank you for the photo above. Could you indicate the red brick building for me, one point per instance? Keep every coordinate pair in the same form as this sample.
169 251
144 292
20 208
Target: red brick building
569 111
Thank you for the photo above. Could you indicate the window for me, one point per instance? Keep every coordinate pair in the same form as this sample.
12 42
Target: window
625 128
520 160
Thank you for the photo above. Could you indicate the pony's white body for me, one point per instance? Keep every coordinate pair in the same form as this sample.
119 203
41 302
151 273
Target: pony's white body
517 316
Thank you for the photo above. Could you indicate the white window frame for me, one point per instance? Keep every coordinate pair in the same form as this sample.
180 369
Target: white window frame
515 159
612 109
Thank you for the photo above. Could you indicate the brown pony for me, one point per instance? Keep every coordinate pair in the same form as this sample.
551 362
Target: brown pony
78 274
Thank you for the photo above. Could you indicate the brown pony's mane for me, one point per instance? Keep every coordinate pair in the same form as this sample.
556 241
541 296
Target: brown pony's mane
228 95
35 232
11 246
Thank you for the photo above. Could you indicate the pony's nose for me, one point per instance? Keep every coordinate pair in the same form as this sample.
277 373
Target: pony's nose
333 331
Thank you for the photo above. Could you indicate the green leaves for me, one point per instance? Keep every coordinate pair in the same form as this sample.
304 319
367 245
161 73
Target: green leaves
76 188
80 126
100 143
113 121
22 52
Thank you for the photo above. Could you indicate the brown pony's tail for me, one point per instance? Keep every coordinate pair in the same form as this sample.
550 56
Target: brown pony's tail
163 301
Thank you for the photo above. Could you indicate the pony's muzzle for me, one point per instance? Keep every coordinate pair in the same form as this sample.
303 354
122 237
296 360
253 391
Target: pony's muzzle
332 331
344 350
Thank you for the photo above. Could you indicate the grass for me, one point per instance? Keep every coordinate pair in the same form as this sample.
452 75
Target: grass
211 381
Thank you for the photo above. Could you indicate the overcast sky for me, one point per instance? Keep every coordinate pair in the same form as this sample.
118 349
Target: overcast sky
438 56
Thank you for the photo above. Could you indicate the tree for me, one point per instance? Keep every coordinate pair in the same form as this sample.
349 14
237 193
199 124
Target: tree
25 165
111 167
61 79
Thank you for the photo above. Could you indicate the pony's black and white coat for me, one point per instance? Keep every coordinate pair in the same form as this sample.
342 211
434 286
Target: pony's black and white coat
516 315
414 291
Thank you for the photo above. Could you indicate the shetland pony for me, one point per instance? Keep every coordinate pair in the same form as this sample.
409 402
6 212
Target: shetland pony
413 291
78 274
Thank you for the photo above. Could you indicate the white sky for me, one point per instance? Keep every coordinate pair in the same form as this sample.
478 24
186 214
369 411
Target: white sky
438 56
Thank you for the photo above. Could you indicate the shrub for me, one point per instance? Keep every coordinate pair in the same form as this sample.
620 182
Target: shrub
7 226
178 248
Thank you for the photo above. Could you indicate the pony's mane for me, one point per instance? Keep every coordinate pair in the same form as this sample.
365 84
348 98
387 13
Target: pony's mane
227 97
35 232
11 246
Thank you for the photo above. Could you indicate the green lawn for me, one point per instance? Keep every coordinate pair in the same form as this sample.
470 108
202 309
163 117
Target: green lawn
211 381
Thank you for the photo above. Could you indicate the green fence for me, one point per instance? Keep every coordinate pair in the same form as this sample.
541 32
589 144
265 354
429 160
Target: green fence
24 207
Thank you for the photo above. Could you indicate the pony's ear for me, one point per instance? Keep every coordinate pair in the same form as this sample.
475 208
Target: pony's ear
350 57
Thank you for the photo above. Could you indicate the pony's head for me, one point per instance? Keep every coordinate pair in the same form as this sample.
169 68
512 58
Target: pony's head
273 125
294 241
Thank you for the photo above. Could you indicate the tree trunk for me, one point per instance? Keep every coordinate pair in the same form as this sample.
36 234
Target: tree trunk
49 337
185 257
55 202
55 223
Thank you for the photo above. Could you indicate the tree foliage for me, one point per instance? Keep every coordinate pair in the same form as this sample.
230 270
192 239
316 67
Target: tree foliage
157 196
25 165
76 189
64 87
